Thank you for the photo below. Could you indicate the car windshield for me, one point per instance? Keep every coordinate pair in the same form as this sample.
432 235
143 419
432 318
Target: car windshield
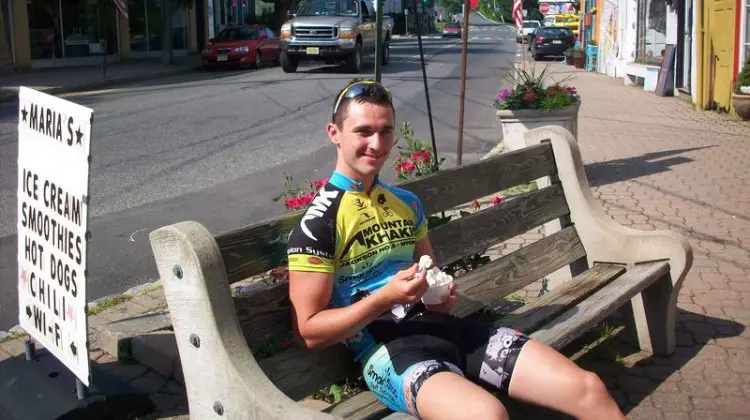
453 25
237 34
531 24
328 8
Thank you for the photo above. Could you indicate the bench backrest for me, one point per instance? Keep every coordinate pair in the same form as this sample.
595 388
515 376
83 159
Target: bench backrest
265 315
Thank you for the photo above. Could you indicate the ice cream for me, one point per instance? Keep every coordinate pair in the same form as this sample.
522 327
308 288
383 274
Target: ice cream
438 280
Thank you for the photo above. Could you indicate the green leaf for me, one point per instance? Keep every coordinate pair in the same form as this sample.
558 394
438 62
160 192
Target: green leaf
336 392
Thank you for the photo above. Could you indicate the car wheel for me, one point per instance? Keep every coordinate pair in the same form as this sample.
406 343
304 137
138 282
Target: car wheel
386 52
258 61
288 64
354 61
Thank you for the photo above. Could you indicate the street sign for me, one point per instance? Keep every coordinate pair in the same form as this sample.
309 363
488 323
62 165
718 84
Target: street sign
543 8
54 138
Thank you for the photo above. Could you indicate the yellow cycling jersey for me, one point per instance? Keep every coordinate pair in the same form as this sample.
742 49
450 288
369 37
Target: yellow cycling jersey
362 239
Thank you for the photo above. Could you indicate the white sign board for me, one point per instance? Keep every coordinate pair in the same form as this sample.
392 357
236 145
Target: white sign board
54 138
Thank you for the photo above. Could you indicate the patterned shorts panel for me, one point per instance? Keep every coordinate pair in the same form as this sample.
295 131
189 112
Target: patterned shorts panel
399 391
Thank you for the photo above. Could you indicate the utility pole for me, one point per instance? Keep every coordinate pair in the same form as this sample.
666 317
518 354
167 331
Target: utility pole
464 54
379 40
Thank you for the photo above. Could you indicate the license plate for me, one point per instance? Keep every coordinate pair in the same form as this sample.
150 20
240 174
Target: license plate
313 50
556 41
221 58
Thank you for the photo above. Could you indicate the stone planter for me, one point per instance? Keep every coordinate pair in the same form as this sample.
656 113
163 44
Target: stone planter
741 105
515 123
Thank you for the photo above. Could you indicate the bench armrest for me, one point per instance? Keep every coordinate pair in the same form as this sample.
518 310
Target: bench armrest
610 242
221 374
604 239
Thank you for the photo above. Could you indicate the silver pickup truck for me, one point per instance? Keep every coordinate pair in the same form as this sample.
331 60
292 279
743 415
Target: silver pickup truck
332 31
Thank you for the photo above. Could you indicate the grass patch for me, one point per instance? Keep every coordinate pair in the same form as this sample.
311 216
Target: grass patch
520 189
107 302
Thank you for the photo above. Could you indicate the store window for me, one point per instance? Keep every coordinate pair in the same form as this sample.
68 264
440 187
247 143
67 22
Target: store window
147 25
77 28
652 31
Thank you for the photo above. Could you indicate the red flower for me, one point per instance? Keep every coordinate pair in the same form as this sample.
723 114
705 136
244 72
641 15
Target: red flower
306 199
496 200
319 183
292 203
406 167
421 156
474 204
529 97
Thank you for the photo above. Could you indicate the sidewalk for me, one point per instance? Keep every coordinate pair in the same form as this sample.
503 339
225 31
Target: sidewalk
654 163
71 79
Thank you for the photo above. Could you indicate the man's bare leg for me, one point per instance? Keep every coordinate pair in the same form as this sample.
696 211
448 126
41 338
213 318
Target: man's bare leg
544 377
449 396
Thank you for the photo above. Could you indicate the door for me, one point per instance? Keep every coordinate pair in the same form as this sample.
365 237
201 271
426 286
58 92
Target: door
687 47
721 36
274 45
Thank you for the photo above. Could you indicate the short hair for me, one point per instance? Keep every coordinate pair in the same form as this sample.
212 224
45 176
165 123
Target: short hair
374 93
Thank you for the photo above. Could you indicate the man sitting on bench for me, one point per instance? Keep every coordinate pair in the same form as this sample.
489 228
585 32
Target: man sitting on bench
353 277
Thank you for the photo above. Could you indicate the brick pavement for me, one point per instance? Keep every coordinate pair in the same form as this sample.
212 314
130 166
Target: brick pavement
655 164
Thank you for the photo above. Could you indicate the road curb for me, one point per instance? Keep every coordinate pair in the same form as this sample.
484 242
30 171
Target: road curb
11 94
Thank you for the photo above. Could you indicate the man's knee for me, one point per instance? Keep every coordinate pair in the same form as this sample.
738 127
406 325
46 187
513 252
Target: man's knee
594 391
487 410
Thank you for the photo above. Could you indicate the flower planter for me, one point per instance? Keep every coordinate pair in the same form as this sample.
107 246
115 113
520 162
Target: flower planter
579 60
741 104
515 123
569 59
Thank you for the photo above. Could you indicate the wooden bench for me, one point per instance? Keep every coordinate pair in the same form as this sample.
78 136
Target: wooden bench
613 267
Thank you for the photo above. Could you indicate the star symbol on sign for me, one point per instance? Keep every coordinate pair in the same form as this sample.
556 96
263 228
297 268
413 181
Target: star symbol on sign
79 134
24 277
24 112
71 313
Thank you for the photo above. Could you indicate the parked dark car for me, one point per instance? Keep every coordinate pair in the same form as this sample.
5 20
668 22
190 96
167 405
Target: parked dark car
550 40
240 45
452 29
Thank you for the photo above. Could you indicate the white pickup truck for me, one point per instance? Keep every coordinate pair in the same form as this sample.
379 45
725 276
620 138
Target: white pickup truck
333 31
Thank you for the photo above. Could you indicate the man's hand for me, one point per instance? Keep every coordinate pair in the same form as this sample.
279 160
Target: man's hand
448 303
404 288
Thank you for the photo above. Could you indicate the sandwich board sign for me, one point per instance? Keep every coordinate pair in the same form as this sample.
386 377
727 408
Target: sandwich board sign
54 139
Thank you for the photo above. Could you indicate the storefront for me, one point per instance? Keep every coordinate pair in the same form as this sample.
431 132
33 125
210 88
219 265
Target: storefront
55 33
146 19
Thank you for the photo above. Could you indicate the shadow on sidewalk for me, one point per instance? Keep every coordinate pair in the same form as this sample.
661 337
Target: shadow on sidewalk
630 375
610 172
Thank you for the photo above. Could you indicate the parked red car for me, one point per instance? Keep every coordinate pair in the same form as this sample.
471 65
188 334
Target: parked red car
241 45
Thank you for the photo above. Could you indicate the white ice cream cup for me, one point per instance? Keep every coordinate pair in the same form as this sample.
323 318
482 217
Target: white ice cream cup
436 295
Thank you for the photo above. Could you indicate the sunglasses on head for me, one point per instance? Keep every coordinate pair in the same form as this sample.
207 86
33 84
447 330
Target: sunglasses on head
358 89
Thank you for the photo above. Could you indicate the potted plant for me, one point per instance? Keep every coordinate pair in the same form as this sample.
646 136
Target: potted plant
569 56
533 101
579 57
741 95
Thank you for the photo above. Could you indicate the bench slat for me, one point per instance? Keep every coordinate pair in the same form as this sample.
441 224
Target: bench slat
478 231
516 270
575 321
363 406
260 247
451 187
531 316
298 372
264 315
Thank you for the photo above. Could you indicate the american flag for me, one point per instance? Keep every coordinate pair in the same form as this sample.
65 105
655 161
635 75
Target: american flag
121 7
518 14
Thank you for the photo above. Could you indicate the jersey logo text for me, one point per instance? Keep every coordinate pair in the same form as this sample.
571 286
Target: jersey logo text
319 205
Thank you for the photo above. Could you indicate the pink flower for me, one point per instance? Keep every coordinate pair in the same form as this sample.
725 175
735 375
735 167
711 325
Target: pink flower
474 204
496 200
306 199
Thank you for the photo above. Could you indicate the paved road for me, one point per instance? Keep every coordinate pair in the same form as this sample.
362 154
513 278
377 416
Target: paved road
214 147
